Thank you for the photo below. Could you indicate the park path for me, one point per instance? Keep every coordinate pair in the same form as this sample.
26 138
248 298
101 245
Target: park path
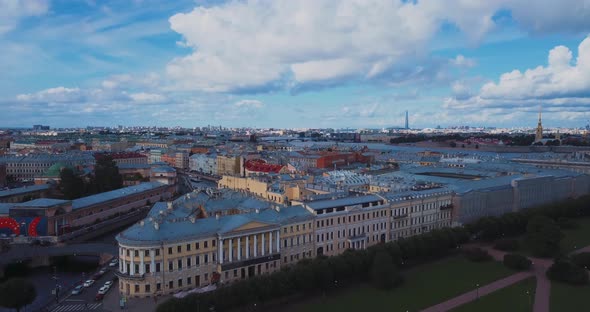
539 267
475 294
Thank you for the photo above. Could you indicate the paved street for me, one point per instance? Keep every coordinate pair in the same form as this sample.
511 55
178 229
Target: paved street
78 307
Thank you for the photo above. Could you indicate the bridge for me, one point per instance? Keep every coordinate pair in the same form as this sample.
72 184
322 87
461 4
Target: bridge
40 256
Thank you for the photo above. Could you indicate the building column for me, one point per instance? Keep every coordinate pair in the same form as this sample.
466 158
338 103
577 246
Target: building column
132 266
231 250
262 250
248 247
123 266
220 250
270 243
153 265
255 245
278 241
141 262
239 248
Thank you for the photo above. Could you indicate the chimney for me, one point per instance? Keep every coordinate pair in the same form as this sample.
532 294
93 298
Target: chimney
156 225
169 206
216 216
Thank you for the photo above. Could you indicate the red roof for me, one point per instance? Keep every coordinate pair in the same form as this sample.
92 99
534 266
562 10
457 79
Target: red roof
260 165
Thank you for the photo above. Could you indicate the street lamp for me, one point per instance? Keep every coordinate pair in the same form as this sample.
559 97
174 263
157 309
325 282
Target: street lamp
477 291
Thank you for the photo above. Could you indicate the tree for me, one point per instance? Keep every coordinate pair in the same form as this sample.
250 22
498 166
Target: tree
71 185
566 271
517 262
582 259
106 174
543 236
17 293
384 274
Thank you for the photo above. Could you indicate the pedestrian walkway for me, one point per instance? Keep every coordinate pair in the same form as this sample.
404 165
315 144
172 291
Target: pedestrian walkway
479 292
77 307
539 267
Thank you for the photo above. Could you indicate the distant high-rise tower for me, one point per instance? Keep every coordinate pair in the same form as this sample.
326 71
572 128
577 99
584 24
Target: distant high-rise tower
539 133
407 121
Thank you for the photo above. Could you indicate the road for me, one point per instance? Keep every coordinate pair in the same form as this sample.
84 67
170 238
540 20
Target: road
87 299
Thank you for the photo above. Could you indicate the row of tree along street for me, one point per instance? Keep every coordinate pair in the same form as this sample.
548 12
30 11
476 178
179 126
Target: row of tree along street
379 264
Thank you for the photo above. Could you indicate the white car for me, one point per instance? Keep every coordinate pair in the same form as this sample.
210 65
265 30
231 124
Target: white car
88 283
113 263
103 290
108 283
102 271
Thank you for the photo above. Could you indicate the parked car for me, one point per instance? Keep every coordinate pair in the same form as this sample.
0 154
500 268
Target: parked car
88 283
102 271
114 262
108 283
103 290
99 297
78 290
45 243
96 276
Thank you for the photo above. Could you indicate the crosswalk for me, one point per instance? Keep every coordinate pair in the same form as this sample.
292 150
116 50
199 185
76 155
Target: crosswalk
77 307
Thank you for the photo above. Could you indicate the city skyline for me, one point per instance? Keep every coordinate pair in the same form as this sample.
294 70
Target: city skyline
287 64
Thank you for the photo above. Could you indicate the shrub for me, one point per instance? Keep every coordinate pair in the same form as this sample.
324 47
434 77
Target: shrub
507 244
563 270
517 262
566 223
476 254
581 259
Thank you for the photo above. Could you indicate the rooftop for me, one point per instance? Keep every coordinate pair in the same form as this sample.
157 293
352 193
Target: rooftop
115 194
24 190
42 202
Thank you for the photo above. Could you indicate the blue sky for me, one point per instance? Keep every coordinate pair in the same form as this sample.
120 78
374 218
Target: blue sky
295 64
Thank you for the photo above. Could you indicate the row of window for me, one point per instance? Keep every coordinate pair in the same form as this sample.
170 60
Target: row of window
296 241
171 284
303 226
177 264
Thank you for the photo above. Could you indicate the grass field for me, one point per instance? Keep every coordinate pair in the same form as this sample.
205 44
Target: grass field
568 298
513 298
424 286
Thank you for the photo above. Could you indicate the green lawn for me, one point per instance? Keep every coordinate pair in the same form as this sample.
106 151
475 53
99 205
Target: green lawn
513 298
578 237
424 286
568 298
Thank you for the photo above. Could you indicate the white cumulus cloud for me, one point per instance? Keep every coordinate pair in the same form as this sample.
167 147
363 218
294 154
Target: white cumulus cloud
261 44
562 85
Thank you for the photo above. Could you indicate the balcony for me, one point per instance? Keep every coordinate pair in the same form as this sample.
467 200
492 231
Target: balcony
446 207
402 216
135 277
250 261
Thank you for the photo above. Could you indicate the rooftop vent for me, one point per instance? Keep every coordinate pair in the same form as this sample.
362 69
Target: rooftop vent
156 226
170 205
141 223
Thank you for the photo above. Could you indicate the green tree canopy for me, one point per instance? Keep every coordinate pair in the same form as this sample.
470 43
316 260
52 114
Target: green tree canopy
383 272
543 236
17 293
106 175
71 185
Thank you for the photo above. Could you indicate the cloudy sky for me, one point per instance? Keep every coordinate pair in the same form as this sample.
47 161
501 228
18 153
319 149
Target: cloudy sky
294 63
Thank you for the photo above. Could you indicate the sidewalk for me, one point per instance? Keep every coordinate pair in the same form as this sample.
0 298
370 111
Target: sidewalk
111 303
475 294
